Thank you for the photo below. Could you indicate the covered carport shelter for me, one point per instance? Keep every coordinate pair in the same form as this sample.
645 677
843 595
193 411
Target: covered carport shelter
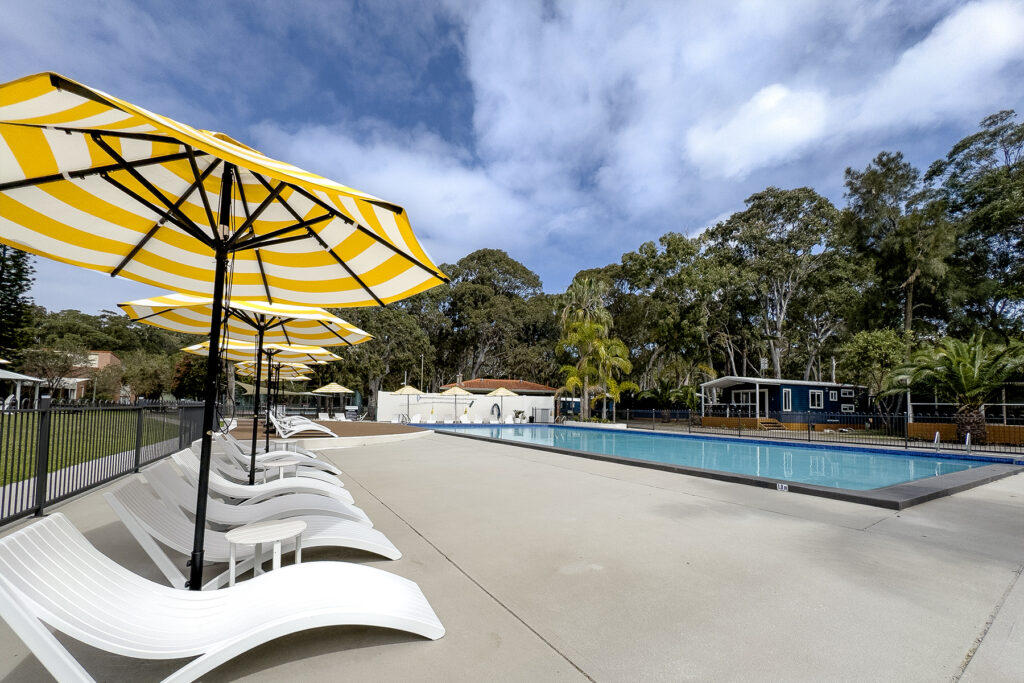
18 380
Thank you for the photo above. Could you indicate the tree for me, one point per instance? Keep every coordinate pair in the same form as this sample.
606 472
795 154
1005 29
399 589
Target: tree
148 375
900 225
964 373
583 342
54 364
189 377
611 358
584 302
869 358
778 242
982 185
666 394
16 279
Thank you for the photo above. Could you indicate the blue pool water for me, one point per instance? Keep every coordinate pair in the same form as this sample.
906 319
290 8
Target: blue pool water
844 468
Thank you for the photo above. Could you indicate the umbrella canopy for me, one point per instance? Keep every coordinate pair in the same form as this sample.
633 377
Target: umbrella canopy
279 323
501 393
91 180
408 391
236 350
95 181
333 388
456 391
287 370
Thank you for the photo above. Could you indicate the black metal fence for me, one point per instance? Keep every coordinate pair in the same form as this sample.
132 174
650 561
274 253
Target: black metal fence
57 451
1004 433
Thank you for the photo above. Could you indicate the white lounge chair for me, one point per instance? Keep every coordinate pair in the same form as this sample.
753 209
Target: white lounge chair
291 447
508 420
478 420
51 575
220 485
287 430
150 519
231 468
305 465
415 418
323 416
464 419
430 419
172 487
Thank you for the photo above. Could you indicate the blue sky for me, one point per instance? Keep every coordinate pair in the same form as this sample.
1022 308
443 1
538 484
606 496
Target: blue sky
563 133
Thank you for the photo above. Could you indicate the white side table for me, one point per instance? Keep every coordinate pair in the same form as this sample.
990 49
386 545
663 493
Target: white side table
280 466
269 531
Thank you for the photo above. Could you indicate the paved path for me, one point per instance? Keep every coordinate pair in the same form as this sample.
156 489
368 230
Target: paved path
546 567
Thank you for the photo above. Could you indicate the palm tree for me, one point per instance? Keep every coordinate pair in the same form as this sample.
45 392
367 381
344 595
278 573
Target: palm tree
666 394
612 358
964 373
584 303
584 340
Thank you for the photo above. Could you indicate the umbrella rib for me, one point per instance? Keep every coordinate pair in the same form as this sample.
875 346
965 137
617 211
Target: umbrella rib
157 210
202 188
334 332
263 275
152 231
148 137
251 218
323 245
86 172
275 237
145 183
380 240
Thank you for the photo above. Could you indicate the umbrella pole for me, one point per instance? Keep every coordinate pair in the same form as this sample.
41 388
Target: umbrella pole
195 581
270 403
256 406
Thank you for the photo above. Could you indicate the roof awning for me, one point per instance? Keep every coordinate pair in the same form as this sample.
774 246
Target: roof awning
18 377
732 380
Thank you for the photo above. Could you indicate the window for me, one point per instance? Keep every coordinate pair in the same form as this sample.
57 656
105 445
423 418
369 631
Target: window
847 408
833 396
847 393
787 400
816 399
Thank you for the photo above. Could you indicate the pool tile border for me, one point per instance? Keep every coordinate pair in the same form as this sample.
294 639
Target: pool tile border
895 497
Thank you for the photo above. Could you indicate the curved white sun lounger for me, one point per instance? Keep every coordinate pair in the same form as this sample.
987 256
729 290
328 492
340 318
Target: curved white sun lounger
230 469
286 430
220 485
305 461
290 447
50 574
149 519
170 486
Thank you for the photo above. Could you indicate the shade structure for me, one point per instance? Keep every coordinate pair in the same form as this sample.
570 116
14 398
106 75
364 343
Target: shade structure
236 350
259 322
248 368
333 388
244 320
501 393
91 180
408 390
4 362
456 391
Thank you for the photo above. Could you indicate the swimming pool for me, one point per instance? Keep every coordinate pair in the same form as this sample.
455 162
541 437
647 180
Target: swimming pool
837 468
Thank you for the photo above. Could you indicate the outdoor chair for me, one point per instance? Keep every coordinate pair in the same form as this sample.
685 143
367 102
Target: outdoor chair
188 462
305 467
464 419
234 470
415 418
172 487
508 420
287 430
449 420
477 420
290 447
150 519
430 420
50 575
323 416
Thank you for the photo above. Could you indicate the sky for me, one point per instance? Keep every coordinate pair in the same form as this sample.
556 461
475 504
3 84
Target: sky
564 133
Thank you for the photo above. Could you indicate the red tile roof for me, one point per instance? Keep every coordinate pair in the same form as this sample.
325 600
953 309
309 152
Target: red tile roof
483 385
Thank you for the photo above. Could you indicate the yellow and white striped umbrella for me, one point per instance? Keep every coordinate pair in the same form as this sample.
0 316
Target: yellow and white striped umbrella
281 324
89 179
289 371
235 350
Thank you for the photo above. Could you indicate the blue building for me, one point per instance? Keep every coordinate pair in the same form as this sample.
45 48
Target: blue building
778 398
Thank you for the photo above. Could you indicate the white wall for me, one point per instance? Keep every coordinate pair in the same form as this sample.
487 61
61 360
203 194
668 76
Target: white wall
476 406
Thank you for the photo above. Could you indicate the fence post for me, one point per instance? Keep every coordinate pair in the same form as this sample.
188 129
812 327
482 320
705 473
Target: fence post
138 438
739 424
808 428
42 453
906 431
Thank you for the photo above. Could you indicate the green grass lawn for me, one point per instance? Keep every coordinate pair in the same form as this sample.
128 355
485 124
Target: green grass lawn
76 436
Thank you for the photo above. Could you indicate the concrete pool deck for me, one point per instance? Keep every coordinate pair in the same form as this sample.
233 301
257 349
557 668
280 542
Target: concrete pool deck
550 567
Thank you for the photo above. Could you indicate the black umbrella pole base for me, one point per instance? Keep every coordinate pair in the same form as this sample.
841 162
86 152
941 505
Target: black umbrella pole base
195 580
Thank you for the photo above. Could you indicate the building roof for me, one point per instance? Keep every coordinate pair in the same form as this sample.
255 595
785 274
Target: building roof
18 377
483 385
732 380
